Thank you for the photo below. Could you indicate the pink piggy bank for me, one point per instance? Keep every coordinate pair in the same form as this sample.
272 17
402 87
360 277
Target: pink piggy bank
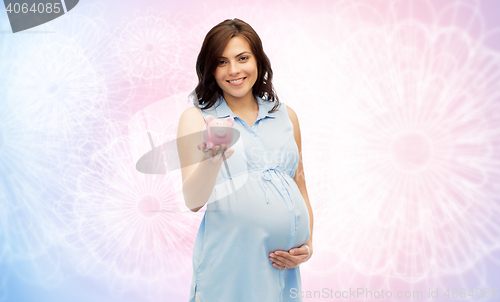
217 131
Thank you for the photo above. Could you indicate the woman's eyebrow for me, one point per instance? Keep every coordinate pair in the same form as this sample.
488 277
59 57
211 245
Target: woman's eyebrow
236 55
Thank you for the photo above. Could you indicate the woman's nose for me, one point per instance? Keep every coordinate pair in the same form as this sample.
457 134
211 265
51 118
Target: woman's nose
234 69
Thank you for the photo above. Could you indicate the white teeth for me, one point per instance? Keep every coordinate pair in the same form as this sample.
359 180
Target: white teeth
237 81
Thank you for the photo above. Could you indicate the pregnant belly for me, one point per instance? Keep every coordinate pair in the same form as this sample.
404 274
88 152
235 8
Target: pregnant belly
283 223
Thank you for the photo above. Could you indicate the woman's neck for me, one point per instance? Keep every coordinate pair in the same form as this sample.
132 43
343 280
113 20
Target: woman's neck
245 104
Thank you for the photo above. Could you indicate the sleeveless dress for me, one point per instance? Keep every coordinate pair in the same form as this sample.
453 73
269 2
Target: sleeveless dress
266 213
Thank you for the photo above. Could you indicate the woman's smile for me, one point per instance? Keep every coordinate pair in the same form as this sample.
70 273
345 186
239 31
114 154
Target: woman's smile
237 82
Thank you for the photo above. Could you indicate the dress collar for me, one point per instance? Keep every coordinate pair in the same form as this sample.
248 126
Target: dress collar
223 109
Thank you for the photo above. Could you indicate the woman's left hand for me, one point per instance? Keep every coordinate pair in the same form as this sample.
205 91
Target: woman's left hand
292 258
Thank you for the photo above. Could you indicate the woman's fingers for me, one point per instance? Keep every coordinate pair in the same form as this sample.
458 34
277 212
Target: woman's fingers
292 259
279 264
281 258
216 158
303 250
215 154
215 151
228 153
218 149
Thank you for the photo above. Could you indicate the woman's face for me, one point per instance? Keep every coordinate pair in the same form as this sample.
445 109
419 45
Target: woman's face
236 72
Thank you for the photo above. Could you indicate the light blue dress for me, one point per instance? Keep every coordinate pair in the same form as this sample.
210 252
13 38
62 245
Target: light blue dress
267 213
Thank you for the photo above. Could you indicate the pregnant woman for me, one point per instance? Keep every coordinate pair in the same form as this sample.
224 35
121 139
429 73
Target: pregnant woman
251 241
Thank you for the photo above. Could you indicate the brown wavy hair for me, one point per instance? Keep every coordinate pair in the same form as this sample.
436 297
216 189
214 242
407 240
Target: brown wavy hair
207 92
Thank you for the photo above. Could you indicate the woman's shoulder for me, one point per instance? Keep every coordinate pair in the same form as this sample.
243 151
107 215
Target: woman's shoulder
290 111
191 120
192 113
291 114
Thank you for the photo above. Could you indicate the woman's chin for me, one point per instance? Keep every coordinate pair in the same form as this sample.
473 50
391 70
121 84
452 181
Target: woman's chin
239 95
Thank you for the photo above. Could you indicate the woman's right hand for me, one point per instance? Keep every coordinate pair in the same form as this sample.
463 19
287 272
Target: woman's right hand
215 154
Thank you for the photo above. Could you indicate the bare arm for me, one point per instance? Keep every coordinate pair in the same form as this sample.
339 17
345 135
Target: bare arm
299 177
198 180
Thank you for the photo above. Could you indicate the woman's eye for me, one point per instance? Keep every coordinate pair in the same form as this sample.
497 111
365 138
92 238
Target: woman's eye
222 62
244 58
